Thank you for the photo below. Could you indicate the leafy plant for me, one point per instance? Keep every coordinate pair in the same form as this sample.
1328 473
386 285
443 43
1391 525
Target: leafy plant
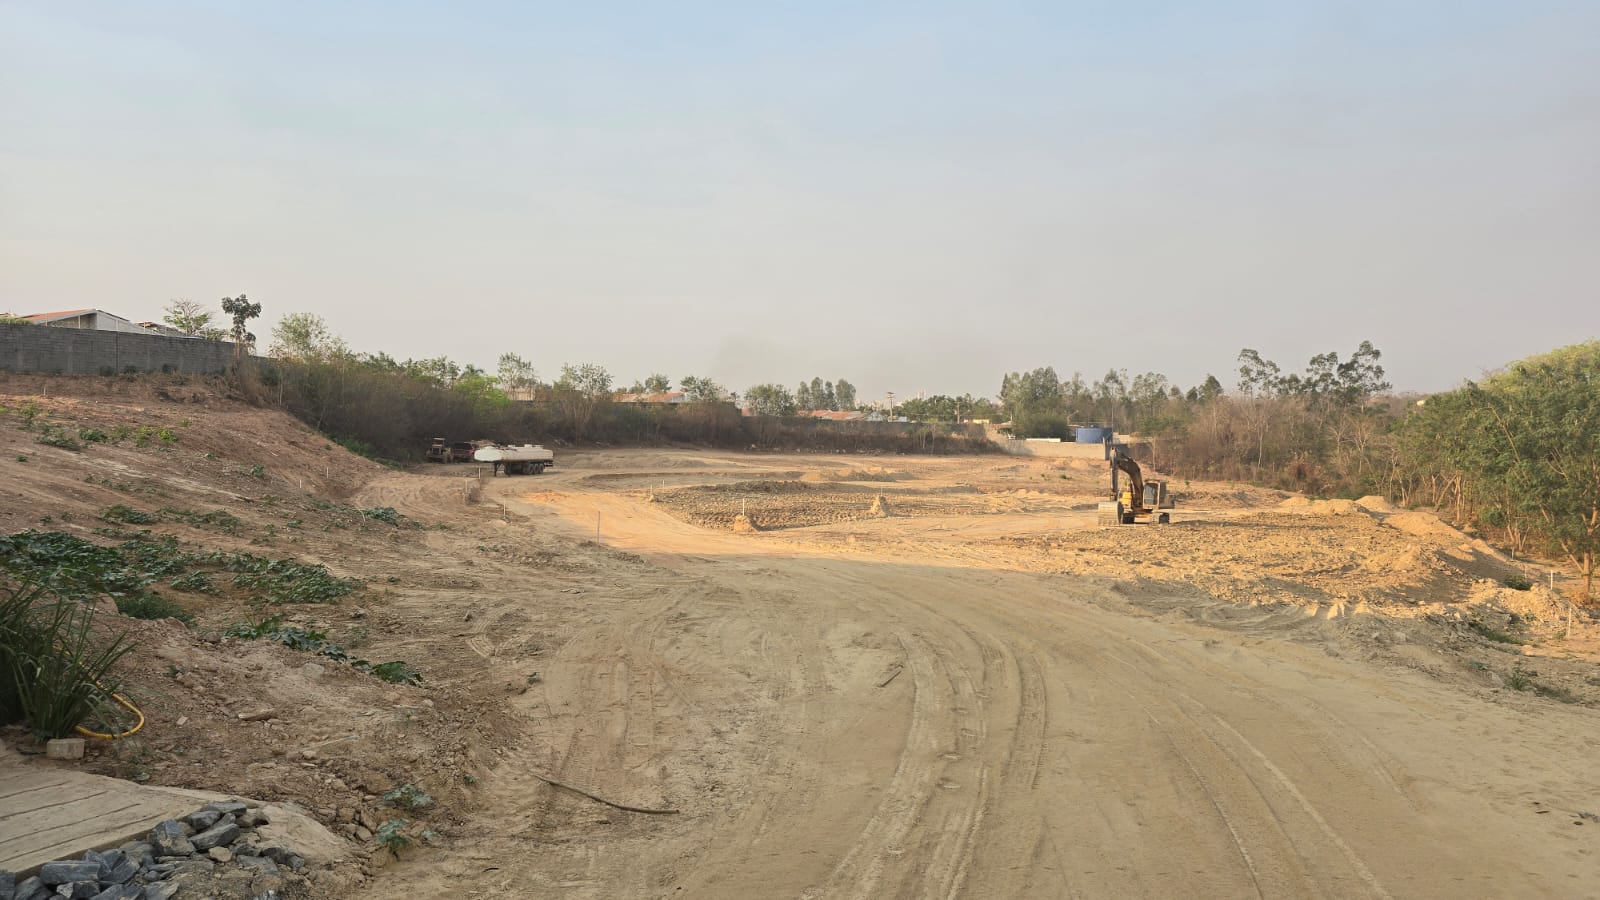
409 796
129 515
153 606
54 664
391 836
59 439
1518 582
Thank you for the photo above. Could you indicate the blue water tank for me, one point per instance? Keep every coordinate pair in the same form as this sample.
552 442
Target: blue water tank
1094 435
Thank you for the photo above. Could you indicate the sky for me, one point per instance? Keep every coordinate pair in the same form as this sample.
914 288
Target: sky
915 197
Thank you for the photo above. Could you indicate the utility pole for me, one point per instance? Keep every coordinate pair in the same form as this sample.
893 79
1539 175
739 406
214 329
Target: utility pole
891 405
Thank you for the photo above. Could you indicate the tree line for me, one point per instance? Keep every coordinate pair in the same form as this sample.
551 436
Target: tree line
1516 455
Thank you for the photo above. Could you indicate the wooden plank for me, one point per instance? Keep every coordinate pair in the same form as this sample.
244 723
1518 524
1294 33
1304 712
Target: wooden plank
49 811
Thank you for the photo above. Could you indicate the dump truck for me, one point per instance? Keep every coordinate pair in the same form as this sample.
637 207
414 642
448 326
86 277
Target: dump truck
439 451
1141 501
524 459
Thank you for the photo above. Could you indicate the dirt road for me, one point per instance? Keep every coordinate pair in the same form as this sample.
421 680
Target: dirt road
894 708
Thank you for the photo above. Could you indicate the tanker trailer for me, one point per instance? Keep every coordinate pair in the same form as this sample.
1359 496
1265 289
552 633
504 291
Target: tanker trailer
527 459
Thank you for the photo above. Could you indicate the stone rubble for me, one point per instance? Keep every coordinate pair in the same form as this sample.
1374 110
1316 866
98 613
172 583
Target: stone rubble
211 852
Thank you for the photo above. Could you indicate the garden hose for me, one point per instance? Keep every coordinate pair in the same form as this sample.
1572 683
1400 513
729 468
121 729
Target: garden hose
112 737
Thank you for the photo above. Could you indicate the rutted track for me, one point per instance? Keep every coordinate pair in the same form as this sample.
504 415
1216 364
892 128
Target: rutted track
871 724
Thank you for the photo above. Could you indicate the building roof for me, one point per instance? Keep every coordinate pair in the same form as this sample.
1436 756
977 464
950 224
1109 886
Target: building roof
42 318
660 397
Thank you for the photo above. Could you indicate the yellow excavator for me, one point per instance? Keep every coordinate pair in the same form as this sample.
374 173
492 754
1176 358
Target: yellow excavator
1140 501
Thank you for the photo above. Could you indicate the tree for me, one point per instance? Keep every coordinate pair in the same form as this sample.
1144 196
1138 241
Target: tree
844 395
579 392
1258 377
191 318
657 384
703 390
587 379
305 337
771 400
802 397
516 373
242 311
1526 446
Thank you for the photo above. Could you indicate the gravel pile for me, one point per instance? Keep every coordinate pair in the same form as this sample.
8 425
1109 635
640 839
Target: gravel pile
212 852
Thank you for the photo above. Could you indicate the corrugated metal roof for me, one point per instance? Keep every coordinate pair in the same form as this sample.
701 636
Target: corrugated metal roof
41 318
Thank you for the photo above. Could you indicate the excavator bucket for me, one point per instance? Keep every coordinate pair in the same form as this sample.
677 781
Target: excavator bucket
1110 513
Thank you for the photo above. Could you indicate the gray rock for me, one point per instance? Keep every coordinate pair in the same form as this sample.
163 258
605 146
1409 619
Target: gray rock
226 807
109 860
169 828
219 835
277 854
138 852
192 867
171 838
259 864
8 885
160 890
65 872
121 873
119 892
266 895
203 819
253 818
297 863
81 890
32 888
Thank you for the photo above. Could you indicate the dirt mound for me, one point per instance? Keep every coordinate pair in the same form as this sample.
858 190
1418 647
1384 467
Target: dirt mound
880 507
743 524
1319 507
1424 524
1375 504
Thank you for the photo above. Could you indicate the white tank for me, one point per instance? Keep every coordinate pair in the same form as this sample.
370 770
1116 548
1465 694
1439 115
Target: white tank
523 453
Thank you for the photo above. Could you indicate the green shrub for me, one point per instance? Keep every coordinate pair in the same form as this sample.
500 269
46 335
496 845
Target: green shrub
59 439
391 836
1518 582
56 664
128 515
153 606
92 436
409 796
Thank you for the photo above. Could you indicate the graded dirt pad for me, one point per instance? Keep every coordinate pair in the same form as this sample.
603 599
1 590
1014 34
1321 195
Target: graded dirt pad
1256 701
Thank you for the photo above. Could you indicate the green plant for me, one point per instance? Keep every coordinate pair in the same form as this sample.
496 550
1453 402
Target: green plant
153 606
59 439
1518 680
409 796
128 515
395 672
21 458
29 412
57 665
195 583
382 514
258 471
1518 582
1491 633
391 836
92 436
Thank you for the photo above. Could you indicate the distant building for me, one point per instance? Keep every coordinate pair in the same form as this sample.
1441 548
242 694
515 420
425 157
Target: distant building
835 415
671 398
89 319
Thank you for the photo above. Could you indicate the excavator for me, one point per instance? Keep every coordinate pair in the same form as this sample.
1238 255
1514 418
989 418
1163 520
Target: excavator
1141 501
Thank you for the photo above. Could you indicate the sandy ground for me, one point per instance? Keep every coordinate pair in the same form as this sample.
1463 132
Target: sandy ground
979 695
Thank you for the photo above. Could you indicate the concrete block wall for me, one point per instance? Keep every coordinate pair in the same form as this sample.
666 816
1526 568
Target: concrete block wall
42 350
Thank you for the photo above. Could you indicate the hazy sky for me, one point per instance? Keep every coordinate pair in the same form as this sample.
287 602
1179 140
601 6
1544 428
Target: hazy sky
914 196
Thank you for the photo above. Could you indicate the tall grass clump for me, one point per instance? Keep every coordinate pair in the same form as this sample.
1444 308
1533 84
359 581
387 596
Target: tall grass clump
55 664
